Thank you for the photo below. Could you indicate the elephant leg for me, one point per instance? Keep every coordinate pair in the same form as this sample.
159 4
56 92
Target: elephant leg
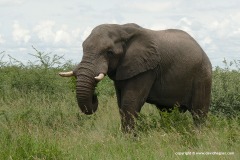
132 95
118 94
201 101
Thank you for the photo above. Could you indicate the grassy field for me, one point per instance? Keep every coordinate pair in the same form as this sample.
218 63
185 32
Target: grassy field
39 119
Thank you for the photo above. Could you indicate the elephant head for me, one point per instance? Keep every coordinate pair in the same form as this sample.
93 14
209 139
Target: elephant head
119 51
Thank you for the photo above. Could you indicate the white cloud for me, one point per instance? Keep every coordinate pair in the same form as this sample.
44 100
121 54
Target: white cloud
236 32
61 50
1 39
49 32
207 40
147 6
186 25
158 27
220 27
20 34
22 49
11 2
208 44
76 33
86 33
185 21
44 31
62 36
228 26
235 25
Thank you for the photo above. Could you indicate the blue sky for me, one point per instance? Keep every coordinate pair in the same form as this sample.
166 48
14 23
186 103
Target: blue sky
60 26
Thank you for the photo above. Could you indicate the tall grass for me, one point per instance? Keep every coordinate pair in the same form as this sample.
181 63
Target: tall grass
39 119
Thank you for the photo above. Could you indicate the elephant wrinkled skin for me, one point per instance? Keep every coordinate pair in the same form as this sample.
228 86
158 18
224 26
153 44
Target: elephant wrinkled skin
164 68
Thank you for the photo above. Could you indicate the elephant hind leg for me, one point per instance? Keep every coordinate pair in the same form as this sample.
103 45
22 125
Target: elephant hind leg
201 101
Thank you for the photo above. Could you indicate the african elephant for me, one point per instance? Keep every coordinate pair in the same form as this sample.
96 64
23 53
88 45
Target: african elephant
163 67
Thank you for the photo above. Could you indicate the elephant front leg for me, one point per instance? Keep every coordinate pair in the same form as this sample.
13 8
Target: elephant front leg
129 110
128 120
132 94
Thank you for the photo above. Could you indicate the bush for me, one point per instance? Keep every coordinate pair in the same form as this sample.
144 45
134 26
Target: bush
226 90
105 88
163 120
40 76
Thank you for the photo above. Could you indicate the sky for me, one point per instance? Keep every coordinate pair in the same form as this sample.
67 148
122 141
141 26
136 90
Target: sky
60 26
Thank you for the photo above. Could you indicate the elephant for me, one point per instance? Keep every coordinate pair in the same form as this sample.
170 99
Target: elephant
164 68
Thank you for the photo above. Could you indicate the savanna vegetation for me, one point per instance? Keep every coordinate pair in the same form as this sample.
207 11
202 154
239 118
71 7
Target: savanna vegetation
40 119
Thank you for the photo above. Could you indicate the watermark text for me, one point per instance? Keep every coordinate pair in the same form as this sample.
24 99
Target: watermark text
204 153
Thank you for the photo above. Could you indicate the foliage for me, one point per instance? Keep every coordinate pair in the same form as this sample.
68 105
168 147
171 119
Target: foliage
35 76
2 63
105 88
45 60
226 90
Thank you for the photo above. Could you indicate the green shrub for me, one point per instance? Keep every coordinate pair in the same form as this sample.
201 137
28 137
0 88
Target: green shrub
226 90
158 120
40 76
105 88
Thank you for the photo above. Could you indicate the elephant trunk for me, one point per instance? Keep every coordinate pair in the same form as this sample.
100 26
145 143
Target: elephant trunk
87 79
87 100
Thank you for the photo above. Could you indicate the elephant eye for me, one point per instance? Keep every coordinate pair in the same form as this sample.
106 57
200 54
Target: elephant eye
110 53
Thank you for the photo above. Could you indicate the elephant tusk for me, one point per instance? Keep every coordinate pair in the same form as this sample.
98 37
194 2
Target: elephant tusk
66 74
99 77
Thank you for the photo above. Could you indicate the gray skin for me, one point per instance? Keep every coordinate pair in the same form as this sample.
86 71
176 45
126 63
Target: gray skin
164 68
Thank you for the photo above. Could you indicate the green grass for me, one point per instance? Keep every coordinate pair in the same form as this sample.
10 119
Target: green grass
35 126
40 119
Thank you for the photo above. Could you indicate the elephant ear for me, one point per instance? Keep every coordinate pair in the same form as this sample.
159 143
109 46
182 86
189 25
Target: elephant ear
141 53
